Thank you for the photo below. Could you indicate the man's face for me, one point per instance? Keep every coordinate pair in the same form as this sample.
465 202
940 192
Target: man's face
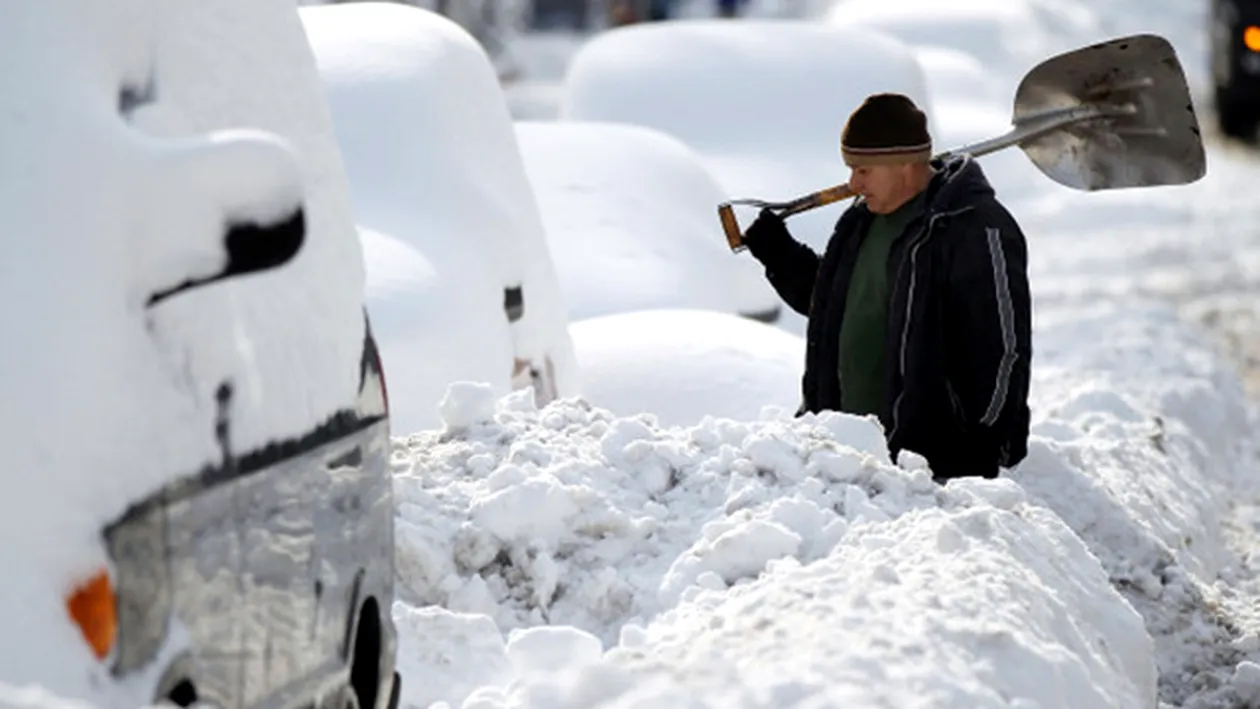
884 187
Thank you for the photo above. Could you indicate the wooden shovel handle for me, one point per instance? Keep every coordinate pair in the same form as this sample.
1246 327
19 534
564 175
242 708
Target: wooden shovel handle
730 225
819 199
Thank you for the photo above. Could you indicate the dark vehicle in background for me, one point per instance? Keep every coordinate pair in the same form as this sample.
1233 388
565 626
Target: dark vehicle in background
1234 38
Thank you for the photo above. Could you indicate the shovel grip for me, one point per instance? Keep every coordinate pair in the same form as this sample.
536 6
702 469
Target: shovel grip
730 226
813 200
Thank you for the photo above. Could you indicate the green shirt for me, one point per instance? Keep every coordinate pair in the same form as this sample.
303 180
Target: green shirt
863 332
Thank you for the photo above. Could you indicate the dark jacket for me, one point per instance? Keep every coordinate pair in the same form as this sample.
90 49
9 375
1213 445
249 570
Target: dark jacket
959 330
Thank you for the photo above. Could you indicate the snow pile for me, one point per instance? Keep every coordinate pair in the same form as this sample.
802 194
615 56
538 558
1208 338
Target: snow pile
121 181
630 222
1138 453
985 605
709 560
441 181
683 365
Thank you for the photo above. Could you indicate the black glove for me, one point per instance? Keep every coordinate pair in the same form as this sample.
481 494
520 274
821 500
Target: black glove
765 232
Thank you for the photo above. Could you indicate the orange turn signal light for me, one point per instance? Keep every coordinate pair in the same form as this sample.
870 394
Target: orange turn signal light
1251 38
92 607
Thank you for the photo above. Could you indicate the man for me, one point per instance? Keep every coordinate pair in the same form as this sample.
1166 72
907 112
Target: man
919 308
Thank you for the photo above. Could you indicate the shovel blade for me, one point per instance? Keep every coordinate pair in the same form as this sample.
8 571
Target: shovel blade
1149 134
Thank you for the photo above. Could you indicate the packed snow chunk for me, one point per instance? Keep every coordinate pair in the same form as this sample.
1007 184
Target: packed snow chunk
446 179
466 404
533 510
683 365
552 649
566 515
445 656
746 95
1246 682
741 552
630 221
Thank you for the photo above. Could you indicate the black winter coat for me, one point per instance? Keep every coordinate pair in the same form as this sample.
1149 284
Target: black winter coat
959 330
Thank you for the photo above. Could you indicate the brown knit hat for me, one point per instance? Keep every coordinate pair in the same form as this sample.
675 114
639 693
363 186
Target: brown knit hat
886 129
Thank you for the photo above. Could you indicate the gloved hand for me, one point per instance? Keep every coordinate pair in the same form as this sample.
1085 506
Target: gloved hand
766 230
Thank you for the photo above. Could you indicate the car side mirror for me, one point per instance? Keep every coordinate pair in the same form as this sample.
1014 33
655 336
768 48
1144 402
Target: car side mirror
250 248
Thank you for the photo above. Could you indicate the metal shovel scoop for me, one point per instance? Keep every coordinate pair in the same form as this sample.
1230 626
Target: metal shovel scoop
1111 115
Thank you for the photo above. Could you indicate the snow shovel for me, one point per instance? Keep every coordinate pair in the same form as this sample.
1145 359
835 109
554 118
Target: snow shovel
1111 115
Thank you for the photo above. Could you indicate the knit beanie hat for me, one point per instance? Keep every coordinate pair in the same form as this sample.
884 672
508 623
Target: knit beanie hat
886 129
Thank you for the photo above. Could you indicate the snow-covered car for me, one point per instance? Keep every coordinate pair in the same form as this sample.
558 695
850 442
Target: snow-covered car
681 365
1235 60
268 563
198 503
460 282
629 218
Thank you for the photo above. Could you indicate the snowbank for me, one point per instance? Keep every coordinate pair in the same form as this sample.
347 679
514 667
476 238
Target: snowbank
1138 445
683 365
120 182
630 222
443 177
787 561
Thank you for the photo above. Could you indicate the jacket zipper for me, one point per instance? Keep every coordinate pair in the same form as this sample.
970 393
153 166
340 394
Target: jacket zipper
905 326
